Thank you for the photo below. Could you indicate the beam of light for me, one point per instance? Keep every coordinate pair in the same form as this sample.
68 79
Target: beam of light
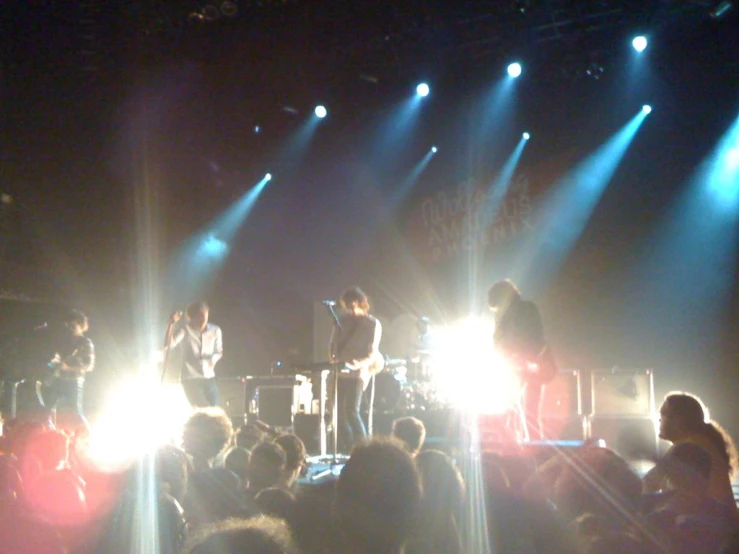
690 264
570 204
423 90
640 43
499 187
526 136
320 112
392 132
406 185
722 8
486 216
474 526
201 257
515 70
494 117
647 109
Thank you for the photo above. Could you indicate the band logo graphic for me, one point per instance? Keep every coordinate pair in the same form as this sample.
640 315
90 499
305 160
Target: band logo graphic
468 218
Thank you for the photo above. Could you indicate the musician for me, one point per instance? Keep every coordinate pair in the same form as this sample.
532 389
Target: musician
202 344
519 335
423 350
74 360
355 343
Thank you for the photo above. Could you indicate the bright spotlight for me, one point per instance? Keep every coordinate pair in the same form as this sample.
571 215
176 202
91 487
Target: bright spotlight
647 109
268 177
321 111
639 43
526 136
423 90
434 149
515 69
472 376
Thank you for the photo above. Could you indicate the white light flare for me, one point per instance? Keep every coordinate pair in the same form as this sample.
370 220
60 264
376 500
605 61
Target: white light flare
470 374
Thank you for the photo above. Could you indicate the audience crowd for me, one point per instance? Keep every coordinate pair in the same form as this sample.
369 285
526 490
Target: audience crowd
223 491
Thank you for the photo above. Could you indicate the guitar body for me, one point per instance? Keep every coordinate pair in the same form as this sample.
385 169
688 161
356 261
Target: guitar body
368 368
541 369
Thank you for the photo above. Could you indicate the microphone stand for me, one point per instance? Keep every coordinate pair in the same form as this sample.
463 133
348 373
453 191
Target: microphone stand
335 385
167 341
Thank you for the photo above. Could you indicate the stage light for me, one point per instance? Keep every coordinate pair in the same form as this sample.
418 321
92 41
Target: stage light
639 43
257 128
469 373
721 9
434 149
515 69
268 177
423 90
732 158
647 109
526 136
321 112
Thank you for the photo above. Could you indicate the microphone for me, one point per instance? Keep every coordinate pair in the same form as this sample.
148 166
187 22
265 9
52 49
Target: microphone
328 303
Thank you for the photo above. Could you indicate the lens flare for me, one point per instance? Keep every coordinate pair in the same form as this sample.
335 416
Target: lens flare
469 373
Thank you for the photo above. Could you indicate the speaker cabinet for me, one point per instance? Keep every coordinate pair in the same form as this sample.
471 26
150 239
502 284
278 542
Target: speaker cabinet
232 396
308 428
275 399
633 438
562 398
622 393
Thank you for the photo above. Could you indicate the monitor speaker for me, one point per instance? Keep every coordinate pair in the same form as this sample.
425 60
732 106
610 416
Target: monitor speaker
622 393
232 396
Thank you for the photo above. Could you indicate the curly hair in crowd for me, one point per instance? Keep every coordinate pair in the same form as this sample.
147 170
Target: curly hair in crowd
206 434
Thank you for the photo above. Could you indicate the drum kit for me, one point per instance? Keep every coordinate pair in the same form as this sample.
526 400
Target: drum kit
406 385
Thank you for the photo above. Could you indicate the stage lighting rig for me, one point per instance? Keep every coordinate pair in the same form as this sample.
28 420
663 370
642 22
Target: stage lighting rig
595 70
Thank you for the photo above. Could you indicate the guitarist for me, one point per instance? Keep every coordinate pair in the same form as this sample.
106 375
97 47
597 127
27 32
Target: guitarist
356 344
519 336
70 365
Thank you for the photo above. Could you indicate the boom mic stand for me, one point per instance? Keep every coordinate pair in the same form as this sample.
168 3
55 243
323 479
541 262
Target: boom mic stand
335 385
167 341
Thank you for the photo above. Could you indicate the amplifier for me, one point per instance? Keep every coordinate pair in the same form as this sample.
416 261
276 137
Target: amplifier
632 438
624 393
232 396
276 399
562 398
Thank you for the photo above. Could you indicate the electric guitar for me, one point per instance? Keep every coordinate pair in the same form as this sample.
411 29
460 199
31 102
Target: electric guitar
367 368
541 368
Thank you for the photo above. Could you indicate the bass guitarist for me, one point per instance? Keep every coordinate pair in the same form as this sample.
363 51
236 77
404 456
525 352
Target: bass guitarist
519 336
355 343
74 360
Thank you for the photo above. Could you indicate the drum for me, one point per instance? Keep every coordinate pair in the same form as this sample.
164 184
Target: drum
387 392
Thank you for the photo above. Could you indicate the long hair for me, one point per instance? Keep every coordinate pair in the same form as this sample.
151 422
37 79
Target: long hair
352 296
696 419
502 294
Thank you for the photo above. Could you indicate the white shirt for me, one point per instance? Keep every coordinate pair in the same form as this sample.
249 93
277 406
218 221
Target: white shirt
357 344
201 350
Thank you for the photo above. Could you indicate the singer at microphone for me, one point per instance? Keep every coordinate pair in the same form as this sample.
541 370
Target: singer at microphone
202 348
